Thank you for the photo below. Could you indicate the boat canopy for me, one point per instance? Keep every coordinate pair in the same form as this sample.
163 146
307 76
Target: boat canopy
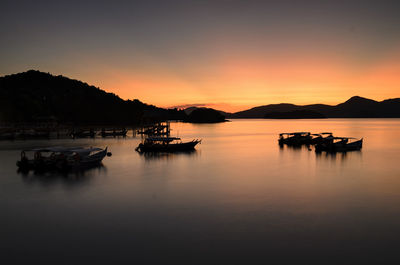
86 151
320 134
295 133
65 150
162 139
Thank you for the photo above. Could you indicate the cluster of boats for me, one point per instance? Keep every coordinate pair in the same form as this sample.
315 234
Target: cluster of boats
66 158
322 141
13 134
91 133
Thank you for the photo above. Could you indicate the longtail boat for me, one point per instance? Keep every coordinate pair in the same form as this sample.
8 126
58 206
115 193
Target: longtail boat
340 144
61 158
295 138
166 144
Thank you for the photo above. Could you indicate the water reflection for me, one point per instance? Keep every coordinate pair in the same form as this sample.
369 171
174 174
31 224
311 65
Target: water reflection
338 156
68 178
168 156
295 147
239 193
331 156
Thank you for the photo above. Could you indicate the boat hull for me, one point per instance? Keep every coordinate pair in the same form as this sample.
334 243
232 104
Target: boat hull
339 147
178 147
114 134
61 164
89 161
294 141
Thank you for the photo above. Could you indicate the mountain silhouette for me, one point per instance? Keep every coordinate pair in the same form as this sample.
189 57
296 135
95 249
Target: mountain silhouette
190 109
33 96
355 107
296 114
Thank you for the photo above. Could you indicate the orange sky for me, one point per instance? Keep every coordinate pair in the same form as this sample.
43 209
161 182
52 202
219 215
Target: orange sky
245 80
230 55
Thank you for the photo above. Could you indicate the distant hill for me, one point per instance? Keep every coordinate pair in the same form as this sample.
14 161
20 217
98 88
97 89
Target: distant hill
190 109
33 96
205 115
355 107
296 114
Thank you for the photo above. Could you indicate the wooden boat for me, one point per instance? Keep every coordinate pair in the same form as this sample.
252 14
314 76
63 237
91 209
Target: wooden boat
296 138
24 134
166 144
61 158
83 134
340 144
113 133
318 138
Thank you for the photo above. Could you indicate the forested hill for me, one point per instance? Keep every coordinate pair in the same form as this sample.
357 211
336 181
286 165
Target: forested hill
35 96
355 107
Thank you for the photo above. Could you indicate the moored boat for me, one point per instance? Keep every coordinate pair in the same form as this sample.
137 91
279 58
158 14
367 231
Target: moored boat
61 158
318 138
83 134
166 144
113 133
296 138
340 144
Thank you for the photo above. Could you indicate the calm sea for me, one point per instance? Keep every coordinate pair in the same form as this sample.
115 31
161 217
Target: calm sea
239 199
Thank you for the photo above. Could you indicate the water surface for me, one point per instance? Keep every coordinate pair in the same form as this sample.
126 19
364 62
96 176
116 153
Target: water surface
238 199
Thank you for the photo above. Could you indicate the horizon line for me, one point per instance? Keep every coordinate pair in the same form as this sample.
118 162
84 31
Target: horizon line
221 106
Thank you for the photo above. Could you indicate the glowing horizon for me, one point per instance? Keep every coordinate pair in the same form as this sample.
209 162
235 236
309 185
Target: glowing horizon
229 55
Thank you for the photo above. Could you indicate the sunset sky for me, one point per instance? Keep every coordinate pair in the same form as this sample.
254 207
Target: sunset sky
227 54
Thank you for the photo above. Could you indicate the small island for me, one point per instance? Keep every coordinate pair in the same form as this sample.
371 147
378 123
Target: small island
205 115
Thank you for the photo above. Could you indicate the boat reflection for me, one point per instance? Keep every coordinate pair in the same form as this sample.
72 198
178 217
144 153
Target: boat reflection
168 156
328 156
69 178
296 148
338 156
